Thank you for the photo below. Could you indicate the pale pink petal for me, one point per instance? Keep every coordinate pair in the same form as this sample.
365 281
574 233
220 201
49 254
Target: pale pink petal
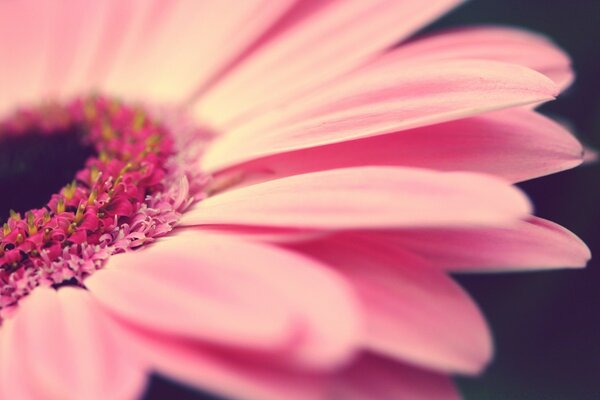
66 350
183 294
14 380
234 292
180 45
383 100
263 233
336 37
64 47
89 38
24 31
512 45
375 378
365 197
123 22
75 31
228 374
531 244
414 313
513 144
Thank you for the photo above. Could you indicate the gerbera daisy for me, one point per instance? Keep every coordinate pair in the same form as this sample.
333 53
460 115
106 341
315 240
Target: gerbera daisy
267 196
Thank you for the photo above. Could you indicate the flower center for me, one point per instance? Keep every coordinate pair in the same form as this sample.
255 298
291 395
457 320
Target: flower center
33 167
129 191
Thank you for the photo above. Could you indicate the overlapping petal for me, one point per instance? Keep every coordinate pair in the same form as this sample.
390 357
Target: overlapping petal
514 144
365 178
528 245
365 197
61 346
414 312
231 292
383 100
513 45
290 63
235 375
179 46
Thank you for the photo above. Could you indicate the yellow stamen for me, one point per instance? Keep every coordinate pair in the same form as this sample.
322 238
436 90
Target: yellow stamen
69 190
60 206
138 120
93 196
108 132
31 226
79 214
71 228
94 174
47 233
14 215
153 140
103 156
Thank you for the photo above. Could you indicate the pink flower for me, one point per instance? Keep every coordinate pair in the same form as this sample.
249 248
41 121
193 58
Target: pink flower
275 198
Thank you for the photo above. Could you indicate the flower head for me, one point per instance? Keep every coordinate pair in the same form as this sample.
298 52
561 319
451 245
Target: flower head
270 197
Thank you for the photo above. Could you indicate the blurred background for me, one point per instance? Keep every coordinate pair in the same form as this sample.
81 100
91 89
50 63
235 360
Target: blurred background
546 325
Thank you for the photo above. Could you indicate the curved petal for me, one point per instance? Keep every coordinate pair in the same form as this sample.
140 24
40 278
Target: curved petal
65 349
234 292
382 100
514 144
178 293
512 45
232 375
532 244
180 45
375 378
367 197
319 41
414 313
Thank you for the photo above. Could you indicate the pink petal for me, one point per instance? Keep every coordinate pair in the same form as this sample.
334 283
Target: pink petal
75 30
512 45
365 197
65 349
233 292
88 40
319 41
264 233
179 46
414 313
382 100
23 28
532 244
513 144
14 380
375 378
123 22
227 374
192 298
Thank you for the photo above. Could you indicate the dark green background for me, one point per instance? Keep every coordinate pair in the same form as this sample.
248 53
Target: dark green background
546 325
